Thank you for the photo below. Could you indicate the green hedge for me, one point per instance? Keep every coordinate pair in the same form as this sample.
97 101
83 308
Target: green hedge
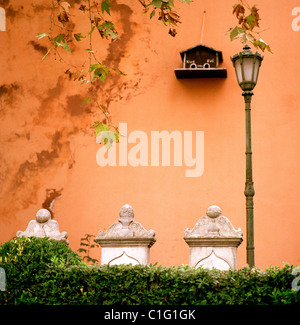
46 272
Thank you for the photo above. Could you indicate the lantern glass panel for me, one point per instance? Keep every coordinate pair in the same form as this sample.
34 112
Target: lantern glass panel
238 69
248 69
256 70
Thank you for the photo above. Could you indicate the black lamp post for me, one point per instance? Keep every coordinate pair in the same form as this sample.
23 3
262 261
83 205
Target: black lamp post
247 65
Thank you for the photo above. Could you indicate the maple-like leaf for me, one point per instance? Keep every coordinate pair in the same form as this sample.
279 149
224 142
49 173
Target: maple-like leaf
262 45
99 127
105 5
107 137
235 32
78 37
63 15
107 29
251 21
246 24
238 10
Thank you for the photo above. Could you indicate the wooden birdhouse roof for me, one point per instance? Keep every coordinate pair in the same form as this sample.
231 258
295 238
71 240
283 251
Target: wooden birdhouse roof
204 49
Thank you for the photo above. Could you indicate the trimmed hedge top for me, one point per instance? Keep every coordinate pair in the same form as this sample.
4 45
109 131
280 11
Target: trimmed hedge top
42 271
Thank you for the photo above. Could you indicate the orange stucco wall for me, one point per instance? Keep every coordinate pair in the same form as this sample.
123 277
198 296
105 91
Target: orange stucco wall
47 143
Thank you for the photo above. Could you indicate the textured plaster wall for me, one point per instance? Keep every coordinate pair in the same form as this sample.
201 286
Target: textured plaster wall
47 147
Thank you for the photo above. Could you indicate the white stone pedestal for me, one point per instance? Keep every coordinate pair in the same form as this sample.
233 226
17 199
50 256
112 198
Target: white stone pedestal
213 241
125 241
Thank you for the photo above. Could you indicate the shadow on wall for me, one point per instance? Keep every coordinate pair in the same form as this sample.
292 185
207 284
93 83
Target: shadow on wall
207 86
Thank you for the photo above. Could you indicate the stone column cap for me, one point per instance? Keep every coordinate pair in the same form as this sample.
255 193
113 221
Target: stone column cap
213 230
126 232
214 241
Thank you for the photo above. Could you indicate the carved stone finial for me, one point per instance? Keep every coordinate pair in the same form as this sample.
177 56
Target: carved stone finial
43 226
126 227
213 211
213 225
126 211
43 215
125 241
126 215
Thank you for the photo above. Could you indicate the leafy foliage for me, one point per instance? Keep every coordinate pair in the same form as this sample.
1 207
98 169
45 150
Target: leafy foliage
166 14
25 261
246 25
104 135
97 15
88 242
42 271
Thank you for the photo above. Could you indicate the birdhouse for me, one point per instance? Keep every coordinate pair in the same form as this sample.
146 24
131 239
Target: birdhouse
201 62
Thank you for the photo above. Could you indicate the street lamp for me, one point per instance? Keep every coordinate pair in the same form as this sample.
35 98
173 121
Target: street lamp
247 65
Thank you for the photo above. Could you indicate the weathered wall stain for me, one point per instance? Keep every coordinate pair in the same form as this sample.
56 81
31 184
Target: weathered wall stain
51 196
38 47
59 112
117 49
118 87
8 93
22 182
5 3
11 11
42 160
74 105
48 99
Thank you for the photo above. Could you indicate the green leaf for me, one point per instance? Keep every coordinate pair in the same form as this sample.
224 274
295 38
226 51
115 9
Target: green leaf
108 137
44 57
58 39
99 127
262 45
65 46
152 14
119 72
94 66
107 29
41 35
85 81
78 37
103 135
91 30
113 35
100 71
90 51
186 1
105 6
236 32
251 21
86 100
250 37
156 3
